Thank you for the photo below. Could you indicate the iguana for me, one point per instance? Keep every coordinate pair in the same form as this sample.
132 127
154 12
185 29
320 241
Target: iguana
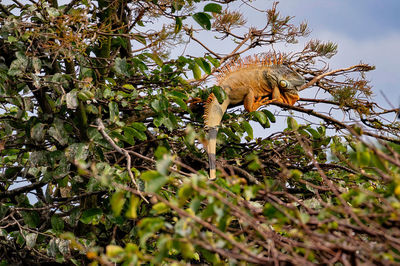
254 81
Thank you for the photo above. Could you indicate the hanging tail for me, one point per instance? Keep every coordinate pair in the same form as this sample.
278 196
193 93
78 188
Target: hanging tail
213 114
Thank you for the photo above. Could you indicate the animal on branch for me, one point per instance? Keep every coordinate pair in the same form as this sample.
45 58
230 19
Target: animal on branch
254 81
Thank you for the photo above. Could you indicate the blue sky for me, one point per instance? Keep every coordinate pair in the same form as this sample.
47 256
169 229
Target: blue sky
365 30
360 19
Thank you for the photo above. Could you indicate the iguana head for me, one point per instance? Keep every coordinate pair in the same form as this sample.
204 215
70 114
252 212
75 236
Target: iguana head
284 82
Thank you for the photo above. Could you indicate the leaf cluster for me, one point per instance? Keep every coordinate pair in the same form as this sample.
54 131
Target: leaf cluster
101 143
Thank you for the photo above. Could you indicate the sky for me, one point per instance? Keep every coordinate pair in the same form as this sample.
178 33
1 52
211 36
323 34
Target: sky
366 31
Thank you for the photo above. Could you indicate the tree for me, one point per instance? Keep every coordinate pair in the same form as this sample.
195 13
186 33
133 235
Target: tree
102 158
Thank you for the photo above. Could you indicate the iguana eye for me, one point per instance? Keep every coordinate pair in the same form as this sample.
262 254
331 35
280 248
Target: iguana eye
283 84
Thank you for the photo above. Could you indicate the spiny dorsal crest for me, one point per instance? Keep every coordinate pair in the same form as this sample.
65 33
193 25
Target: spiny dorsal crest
266 59
208 103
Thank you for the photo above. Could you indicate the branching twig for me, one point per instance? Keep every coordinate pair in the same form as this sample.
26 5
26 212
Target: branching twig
319 77
209 226
337 123
101 128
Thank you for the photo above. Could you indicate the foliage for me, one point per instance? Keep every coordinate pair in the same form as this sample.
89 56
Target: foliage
102 159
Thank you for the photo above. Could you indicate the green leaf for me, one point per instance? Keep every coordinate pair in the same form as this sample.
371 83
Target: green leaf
184 193
212 7
37 64
160 104
219 93
213 61
133 206
156 59
270 115
57 223
160 151
11 39
38 132
140 38
30 240
187 250
31 218
292 123
114 112
91 216
19 65
148 227
85 95
154 180
139 126
314 133
196 71
363 158
169 121
121 67
203 20
117 202
203 64
114 251
270 211
130 133
77 151
180 102
249 130
160 208
178 94
72 99
163 164
178 24
230 134
52 249
304 217
261 118
129 87
58 132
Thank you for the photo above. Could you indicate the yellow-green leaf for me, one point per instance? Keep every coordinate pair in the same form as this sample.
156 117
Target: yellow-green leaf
133 205
117 202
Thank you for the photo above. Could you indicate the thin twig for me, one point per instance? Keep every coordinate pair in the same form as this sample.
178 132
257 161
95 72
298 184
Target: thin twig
337 123
101 128
319 77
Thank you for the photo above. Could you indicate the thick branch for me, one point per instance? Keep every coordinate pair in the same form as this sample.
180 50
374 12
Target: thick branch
20 190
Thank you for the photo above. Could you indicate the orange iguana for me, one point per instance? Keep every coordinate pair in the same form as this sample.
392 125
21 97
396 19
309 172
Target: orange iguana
254 81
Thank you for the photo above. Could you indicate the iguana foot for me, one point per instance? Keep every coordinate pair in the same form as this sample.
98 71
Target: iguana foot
260 102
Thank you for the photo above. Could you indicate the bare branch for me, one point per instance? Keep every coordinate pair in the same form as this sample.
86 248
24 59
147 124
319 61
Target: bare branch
359 67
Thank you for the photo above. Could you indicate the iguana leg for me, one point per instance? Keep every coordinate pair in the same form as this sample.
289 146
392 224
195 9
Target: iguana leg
252 104
262 101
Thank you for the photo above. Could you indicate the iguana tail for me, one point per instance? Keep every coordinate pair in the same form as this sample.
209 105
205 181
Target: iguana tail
213 113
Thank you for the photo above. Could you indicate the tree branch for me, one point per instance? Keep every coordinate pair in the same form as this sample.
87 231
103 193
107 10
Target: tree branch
337 123
101 128
20 190
359 67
